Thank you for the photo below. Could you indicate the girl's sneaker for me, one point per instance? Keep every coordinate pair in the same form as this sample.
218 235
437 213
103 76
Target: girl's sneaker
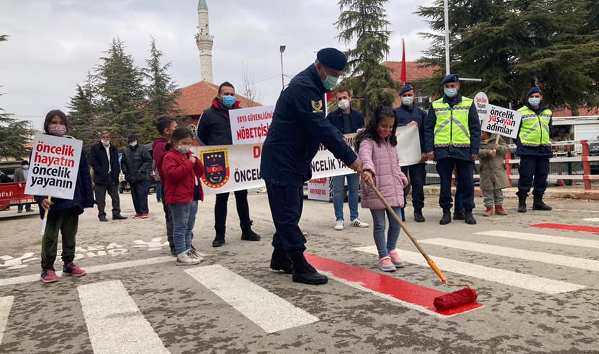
395 259
73 270
49 276
386 265
185 259
488 211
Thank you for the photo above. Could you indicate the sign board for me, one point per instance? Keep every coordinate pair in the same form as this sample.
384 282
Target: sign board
502 121
250 125
319 189
482 105
54 166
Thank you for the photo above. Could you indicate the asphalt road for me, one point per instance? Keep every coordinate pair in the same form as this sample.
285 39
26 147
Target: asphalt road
537 287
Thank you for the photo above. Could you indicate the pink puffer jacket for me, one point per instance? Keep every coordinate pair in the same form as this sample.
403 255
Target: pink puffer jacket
383 161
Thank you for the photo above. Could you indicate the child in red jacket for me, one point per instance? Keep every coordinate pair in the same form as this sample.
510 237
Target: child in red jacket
182 171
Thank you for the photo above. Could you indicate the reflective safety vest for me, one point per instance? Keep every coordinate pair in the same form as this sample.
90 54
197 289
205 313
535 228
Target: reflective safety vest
534 129
451 128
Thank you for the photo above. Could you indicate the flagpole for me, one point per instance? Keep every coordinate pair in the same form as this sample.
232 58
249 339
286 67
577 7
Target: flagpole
446 11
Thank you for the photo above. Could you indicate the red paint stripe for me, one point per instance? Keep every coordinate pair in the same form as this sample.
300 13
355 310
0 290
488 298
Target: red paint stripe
399 289
567 227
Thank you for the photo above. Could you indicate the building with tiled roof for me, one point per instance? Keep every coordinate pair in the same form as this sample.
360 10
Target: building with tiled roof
415 72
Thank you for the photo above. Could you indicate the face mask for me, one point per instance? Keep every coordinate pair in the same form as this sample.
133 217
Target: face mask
133 144
57 129
184 149
330 82
344 104
450 92
534 101
229 101
407 100
105 142
25 167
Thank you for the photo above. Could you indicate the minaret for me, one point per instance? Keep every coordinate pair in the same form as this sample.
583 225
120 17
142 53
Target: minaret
204 42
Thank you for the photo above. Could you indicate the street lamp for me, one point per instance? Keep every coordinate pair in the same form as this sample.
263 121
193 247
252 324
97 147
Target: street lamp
282 50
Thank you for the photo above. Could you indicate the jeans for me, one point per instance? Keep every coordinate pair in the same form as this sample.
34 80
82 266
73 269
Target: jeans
66 222
159 192
139 194
378 219
338 182
184 217
100 193
492 197
286 205
533 171
220 211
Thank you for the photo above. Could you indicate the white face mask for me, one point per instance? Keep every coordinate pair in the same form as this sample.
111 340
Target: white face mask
534 101
344 104
184 149
450 91
407 100
25 167
105 142
133 144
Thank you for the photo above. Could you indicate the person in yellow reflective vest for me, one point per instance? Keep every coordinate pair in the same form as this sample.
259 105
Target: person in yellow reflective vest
534 150
452 138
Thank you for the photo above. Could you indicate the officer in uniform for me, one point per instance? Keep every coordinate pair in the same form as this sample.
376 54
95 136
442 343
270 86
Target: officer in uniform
297 130
534 150
406 114
452 138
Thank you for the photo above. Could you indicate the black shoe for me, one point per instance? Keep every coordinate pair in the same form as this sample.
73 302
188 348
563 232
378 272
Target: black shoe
469 218
459 215
303 272
539 204
249 235
102 218
118 217
281 262
521 204
446 219
418 217
219 240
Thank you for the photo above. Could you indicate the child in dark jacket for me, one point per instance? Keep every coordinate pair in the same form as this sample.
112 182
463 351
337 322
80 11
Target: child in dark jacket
182 172
63 214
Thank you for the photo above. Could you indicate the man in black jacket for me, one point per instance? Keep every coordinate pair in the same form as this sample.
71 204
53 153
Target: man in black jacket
214 128
347 121
137 166
104 159
408 114
297 130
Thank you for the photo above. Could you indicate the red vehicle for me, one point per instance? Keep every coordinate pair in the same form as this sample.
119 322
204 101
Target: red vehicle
13 194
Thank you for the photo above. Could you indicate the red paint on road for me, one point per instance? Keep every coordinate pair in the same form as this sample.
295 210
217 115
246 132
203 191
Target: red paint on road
568 227
384 284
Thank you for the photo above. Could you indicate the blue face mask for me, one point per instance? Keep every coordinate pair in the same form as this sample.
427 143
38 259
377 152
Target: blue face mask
330 82
450 92
534 101
229 101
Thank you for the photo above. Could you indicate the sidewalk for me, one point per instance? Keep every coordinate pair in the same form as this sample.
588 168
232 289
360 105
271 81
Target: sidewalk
552 192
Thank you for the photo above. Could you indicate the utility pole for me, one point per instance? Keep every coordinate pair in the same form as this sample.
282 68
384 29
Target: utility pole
446 10
282 50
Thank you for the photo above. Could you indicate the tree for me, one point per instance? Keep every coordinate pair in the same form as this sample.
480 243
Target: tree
15 134
248 85
120 92
83 115
364 21
160 92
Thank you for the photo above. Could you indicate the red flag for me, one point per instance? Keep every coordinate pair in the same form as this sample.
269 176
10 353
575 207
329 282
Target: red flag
404 70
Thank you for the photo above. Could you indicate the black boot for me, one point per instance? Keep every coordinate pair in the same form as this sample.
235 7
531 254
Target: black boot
459 215
118 217
521 203
446 219
303 272
102 218
539 204
248 234
219 240
418 217
281 262
469 218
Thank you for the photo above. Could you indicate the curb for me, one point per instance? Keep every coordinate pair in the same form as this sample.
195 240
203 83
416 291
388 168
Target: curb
511 193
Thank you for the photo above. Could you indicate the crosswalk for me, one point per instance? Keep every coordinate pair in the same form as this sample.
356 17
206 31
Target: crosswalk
116 323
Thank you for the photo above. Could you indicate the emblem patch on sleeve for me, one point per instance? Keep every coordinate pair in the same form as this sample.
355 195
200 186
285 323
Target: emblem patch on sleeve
317 106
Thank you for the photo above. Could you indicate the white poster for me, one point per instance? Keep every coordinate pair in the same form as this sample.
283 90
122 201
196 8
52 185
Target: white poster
250 125
54 166
481 101
319 189
502 121
230 168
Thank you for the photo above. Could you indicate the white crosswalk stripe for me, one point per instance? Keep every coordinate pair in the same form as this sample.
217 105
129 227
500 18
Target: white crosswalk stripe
265 309
5 306
558 240
114 322
591 219
506 277
543 257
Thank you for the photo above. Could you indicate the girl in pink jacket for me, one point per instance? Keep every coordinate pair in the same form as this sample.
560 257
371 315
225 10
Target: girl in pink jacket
377 149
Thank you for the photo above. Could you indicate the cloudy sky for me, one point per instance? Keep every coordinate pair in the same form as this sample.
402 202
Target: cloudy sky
54 43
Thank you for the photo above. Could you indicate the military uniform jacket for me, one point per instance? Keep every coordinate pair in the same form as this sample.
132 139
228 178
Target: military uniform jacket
297 130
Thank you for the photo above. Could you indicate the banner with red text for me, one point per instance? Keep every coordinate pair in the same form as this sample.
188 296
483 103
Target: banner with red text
54 166
502 121
250 125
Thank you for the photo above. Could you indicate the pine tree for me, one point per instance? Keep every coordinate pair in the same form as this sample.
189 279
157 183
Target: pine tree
160 91
364 21
15 134
121 92
82 114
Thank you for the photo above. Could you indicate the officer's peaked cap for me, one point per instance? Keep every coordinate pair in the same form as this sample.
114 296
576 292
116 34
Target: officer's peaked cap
534 89
406 88
450 78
